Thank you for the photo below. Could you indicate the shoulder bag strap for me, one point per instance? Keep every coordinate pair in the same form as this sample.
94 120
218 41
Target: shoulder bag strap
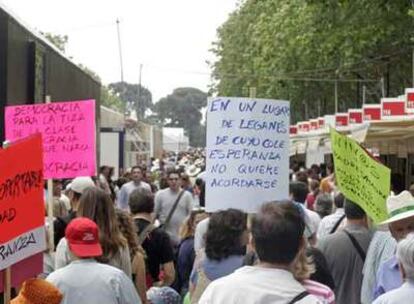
167 220
144 233
337 224
358 248
299 297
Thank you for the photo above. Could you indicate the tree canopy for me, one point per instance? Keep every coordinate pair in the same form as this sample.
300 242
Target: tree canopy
182 109
295 50
136 97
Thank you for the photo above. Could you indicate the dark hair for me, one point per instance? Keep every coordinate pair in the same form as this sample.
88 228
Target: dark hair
397 183
302 176
331 167
202 196
121 181
76 196
172 171
299 191
323 204
339 200
140 202
223 237
137 167
97 205
277 232
353 211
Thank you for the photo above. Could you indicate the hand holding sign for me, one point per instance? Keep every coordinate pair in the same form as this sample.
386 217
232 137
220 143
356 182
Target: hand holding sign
359 177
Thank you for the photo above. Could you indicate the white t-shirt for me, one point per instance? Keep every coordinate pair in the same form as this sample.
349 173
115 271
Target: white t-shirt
314 220
86 281
199 235
256 285
164 201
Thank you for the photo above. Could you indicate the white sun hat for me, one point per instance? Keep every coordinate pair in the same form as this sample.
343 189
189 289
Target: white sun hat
399 207
193 171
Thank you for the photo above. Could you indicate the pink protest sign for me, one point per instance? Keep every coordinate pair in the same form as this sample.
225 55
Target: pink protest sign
23 270
68 135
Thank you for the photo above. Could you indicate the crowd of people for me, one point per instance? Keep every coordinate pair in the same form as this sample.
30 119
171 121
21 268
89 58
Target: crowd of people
145 238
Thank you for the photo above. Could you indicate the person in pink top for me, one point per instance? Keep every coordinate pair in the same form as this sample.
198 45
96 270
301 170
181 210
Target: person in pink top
303 269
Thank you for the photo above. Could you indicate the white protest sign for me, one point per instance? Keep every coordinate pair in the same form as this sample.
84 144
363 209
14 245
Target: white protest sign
247 152
23 246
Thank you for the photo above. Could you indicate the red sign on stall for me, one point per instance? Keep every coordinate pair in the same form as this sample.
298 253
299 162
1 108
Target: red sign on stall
372 112
392 107
355 116
341 119
321 122
314 124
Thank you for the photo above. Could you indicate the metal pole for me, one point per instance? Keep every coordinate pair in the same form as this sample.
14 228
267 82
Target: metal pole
252 92
120 50
140 115
6 272
336 96
319 108
382 87
364 94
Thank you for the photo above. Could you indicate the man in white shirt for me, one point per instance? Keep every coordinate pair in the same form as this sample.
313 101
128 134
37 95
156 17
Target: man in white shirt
85 280
164 203
277 237
328 223
126 189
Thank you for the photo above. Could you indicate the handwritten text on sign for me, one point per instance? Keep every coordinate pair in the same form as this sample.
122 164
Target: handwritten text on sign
359 177
68 131
247 152
21 201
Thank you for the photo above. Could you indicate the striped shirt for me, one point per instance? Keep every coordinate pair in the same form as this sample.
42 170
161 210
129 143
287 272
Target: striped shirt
322 292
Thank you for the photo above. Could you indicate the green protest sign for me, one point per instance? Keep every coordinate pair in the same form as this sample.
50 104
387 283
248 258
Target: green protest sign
360 177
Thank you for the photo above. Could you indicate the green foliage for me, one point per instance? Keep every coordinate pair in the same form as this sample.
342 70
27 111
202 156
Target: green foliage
138 99
182 109
282 47
57 40
111 100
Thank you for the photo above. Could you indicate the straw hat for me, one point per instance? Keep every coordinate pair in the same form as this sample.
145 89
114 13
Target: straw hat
38 291
399 207
193 171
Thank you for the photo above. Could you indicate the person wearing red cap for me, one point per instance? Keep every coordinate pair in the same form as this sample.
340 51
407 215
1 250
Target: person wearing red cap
85 280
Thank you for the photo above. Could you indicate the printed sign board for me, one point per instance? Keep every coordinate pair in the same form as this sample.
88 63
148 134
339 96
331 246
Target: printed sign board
247 152
360 177
68 132
22 211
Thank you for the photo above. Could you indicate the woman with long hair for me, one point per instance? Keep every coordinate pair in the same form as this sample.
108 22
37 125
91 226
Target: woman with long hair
97 205
226 241
128 229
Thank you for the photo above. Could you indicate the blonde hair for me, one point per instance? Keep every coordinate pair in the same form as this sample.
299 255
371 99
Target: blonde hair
187 228
303 266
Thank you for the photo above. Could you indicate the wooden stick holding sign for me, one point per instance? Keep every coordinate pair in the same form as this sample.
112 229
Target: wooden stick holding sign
49 200
7 271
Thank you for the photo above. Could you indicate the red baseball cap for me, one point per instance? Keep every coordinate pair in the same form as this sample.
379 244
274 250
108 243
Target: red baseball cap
82 235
